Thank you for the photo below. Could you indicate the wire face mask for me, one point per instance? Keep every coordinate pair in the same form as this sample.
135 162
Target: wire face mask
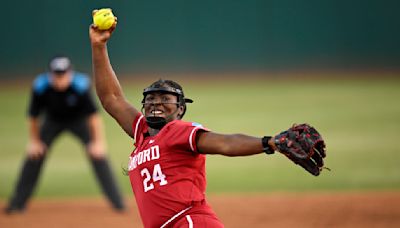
158 122
163 87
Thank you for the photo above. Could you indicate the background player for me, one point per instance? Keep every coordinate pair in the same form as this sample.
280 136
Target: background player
63 96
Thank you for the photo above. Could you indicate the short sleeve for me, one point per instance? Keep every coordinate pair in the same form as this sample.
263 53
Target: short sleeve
184 135
88 103
138 127
81 86
39 88
35 105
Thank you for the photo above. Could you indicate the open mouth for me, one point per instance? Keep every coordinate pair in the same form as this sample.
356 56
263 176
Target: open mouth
156 112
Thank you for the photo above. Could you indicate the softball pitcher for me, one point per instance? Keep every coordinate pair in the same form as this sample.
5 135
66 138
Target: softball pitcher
167 166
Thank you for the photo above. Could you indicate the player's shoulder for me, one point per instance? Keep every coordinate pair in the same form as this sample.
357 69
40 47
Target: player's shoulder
80 82
182 123
41 83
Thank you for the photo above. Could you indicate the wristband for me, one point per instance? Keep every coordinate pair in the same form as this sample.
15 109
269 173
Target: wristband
266 147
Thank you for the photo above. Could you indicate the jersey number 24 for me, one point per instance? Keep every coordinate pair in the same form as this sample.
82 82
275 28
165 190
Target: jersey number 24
149 180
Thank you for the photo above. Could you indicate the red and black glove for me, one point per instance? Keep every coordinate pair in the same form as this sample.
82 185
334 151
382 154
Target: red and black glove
303 145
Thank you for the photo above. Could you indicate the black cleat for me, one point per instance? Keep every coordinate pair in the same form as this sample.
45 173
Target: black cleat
119 208
13 210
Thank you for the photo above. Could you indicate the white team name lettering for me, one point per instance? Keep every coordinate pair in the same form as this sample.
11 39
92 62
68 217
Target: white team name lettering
144 156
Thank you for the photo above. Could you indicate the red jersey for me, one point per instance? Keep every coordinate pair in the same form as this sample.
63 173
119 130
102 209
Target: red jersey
167 173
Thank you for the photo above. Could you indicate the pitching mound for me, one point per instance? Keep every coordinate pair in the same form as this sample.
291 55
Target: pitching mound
235 210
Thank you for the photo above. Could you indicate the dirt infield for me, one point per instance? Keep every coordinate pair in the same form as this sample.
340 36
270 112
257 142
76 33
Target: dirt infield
379 209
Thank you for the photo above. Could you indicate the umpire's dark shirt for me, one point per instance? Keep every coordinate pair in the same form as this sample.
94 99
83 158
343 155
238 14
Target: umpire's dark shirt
74 103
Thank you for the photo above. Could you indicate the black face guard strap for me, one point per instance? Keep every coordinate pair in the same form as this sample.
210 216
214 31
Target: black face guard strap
156 103
156 122
162 89
169 90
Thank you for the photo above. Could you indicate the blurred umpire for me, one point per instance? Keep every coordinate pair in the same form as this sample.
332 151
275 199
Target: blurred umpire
63 96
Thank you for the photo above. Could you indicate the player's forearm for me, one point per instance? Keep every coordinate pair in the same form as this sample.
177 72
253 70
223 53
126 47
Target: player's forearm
242 145
107 85
229 145
34 134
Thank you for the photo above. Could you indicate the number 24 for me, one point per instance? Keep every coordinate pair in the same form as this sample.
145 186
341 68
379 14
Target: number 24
157 176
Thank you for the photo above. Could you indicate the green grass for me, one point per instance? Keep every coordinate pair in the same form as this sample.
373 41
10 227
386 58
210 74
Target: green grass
359 119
